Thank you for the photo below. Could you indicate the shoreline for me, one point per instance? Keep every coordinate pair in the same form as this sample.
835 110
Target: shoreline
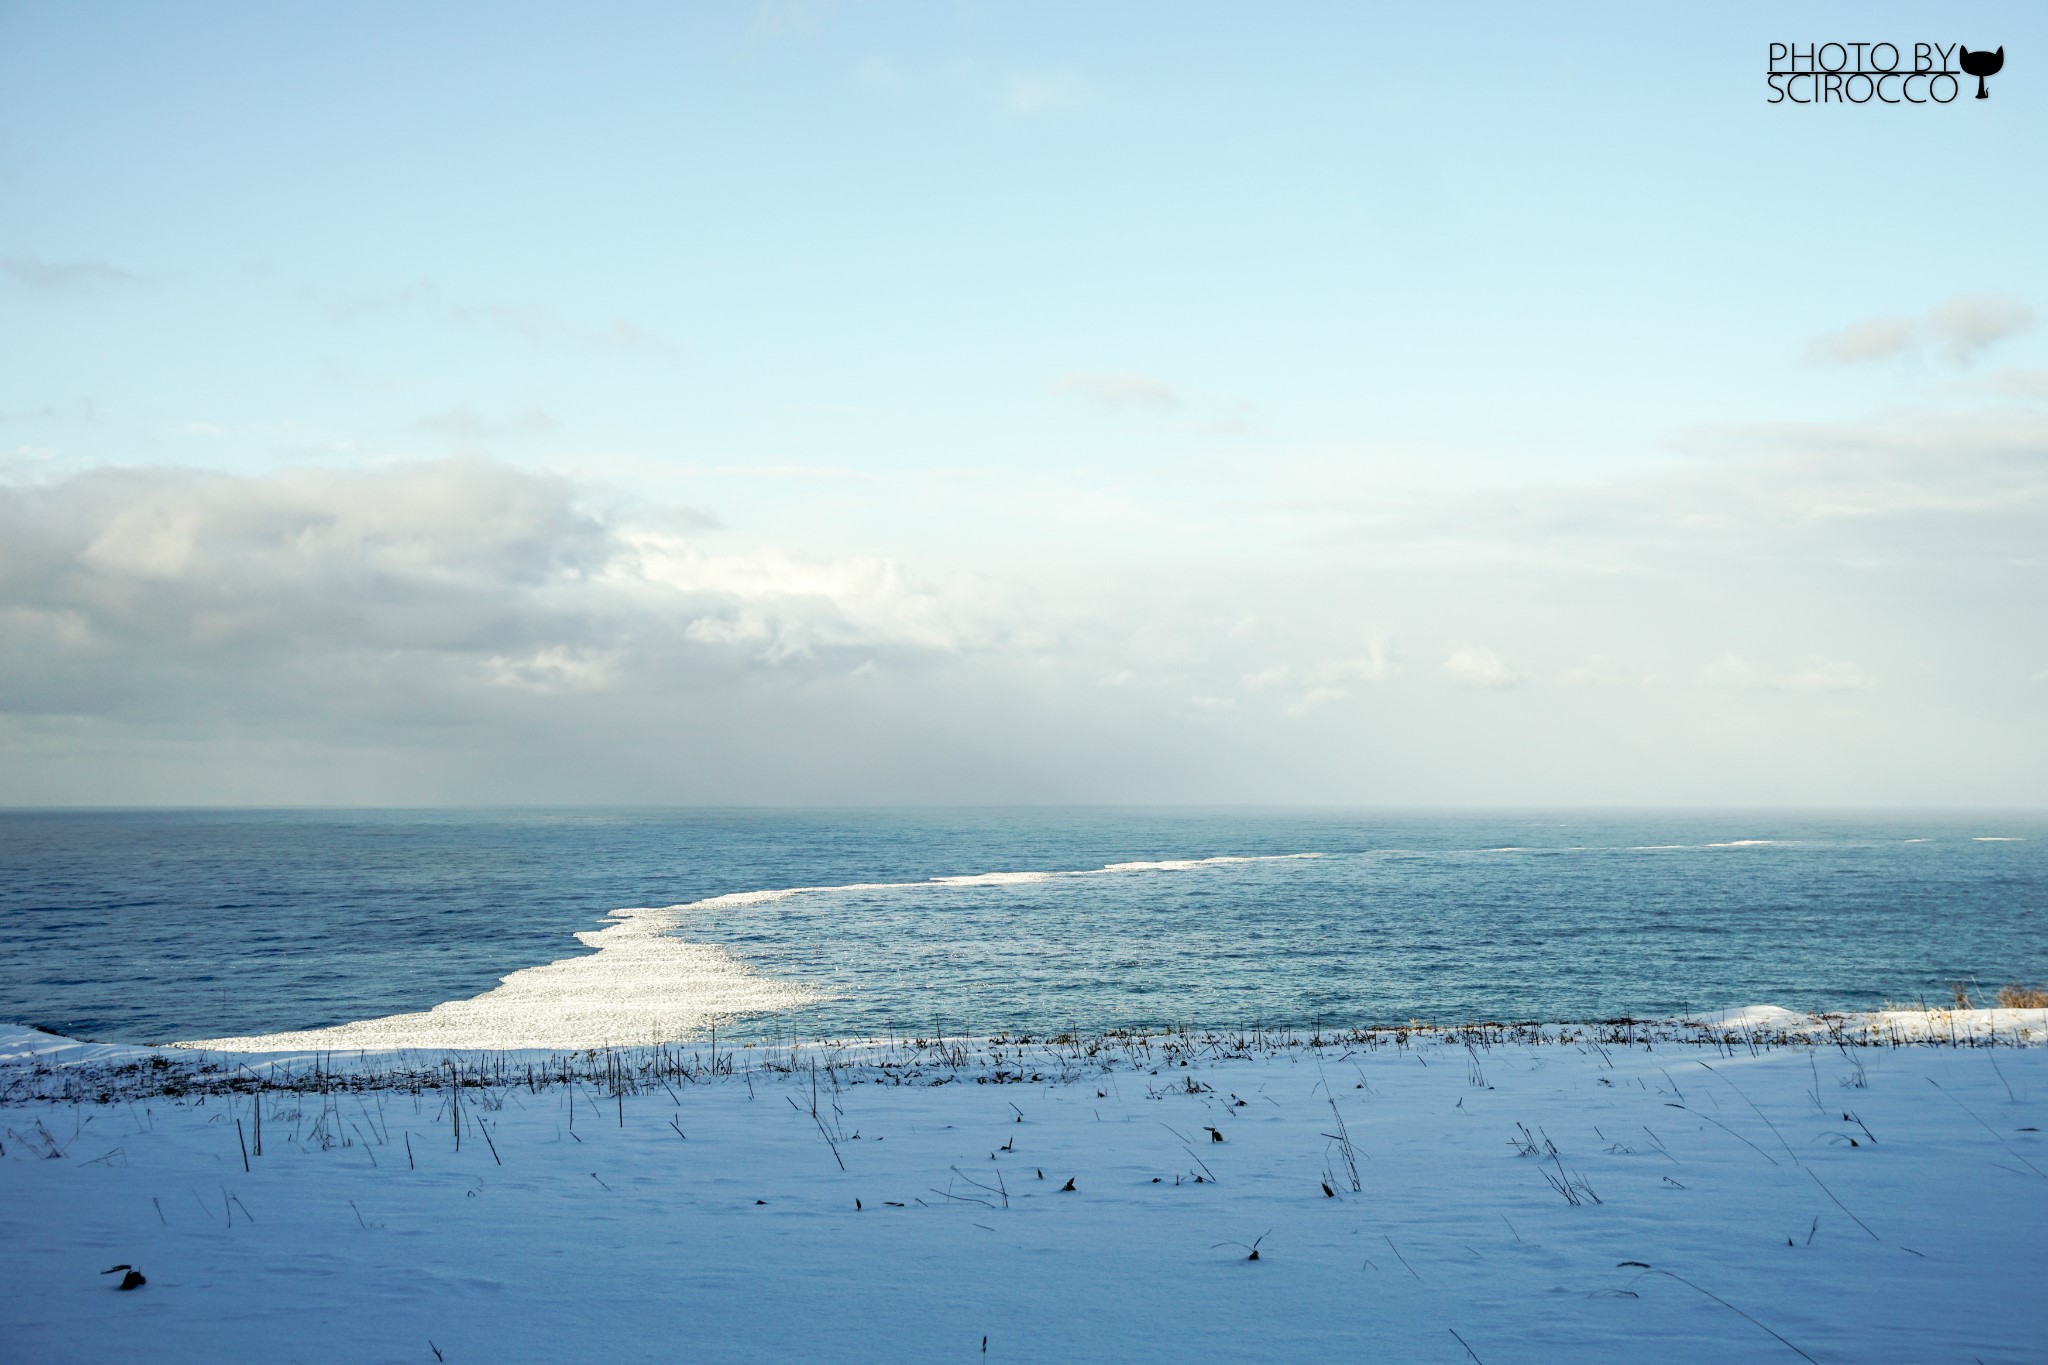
33 1059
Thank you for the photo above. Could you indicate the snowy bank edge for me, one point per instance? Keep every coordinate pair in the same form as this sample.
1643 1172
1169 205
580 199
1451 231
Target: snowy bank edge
26 1049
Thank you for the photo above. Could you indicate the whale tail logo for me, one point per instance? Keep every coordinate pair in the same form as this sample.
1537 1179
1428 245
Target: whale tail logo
1981 64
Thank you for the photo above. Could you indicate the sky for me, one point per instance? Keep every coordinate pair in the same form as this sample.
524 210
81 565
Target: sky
969 403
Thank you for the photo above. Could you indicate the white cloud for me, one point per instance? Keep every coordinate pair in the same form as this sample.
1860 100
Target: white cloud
37 273
778 19
1472 666
1966 325
420 584
1941 489
1873 339
881 74
1815 673
372 607
1314 698
24 463
1375 665
1047 92
1732 670
553 669
1320 685
466 423
1235 418
2017 383
1120 390
528 321
1267 678
1960 329
1597 672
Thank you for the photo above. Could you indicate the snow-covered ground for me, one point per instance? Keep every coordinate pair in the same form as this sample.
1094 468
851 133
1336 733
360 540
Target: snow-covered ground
1607 1194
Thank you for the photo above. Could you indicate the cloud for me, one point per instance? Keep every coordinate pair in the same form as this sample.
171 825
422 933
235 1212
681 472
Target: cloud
1967 325
881 74
1129 390
1315 698
1040 94
465 423
2018 383
1047 92
528 321
36 273
1815 673
77 410
1472 666
1960 330
1120 390
1598 672
1265 679
1875 339
1237 418
1375 665
441 609
1732 670
1937 489
1322 684
776 19
25 464
422 589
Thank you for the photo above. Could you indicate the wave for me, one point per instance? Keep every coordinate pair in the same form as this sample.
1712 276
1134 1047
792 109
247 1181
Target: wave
1641 848
643 984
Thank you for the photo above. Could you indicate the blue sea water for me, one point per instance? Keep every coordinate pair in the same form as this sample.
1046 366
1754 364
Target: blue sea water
154 925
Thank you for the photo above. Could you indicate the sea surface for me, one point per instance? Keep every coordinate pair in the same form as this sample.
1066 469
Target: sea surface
156 926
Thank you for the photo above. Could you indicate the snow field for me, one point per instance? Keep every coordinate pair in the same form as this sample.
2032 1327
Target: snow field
1517 1202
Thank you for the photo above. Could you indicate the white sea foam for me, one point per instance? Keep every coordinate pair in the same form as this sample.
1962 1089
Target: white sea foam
1189 864
1994 839
1748 843
642 985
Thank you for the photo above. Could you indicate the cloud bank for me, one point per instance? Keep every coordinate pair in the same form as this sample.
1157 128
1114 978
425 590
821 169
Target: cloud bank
168 592
1751 613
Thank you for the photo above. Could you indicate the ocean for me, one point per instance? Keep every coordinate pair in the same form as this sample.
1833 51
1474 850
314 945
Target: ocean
153 926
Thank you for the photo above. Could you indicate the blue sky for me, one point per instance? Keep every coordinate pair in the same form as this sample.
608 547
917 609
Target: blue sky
850 403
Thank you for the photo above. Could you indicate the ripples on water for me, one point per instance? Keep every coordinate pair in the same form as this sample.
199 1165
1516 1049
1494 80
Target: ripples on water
160 925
